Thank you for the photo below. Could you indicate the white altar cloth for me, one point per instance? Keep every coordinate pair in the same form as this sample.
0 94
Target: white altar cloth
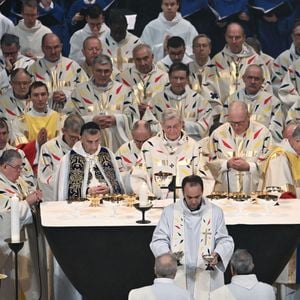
79 214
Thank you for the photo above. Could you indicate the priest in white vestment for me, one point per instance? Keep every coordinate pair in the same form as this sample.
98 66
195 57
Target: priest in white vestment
11 59
244 283
192 229
129 154
26 172
230 64
282 168
52 152
286 58
119 43
237 149
91 48
88 168
15 101
263 106
94 27
194 109
30 30
175 50
11 183
170 151
107 102
144 78
168 24
61 74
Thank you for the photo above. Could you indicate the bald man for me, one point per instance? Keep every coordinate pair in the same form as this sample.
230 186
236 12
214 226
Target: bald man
60 74
230 64
237 148
129 154
264 107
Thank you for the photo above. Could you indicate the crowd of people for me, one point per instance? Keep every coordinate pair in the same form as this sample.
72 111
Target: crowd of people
118 109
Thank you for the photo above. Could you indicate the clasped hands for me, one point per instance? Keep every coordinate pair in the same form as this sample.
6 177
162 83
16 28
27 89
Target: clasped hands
100 189
105 121
34 197
238 163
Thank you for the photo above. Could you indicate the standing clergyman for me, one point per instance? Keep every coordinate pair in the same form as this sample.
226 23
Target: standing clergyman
192 228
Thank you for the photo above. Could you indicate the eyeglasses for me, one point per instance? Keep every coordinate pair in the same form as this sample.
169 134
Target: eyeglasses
17 168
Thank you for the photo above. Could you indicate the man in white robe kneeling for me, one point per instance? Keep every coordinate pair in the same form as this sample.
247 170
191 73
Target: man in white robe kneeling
194 230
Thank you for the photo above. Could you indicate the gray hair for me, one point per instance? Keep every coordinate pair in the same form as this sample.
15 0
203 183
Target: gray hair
242 262
17 71
8 156
202 35
170 113
10 39
88 39
165 266
257 67
139 47
102 59
74 122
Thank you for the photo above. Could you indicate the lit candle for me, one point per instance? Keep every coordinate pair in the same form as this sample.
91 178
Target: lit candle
143 195
15 218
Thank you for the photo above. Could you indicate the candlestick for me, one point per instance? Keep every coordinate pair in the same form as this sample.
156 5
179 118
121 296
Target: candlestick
15 218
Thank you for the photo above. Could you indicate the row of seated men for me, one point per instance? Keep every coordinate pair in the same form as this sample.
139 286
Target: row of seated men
217 79
90 168
116 105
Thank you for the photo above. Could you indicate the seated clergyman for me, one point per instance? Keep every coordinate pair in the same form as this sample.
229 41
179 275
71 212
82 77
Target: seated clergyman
11 183
88 168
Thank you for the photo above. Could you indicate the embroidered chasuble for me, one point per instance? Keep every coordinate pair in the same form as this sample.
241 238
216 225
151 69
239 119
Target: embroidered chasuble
128 156
264 108
202 276
11 107
180 158
115 99
194 233
144 86
289 90
252 146
63 75
282 168
226 77
36 123
194 110
26 127
281 65
50 156
26 173
103 169
29 274
121 53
